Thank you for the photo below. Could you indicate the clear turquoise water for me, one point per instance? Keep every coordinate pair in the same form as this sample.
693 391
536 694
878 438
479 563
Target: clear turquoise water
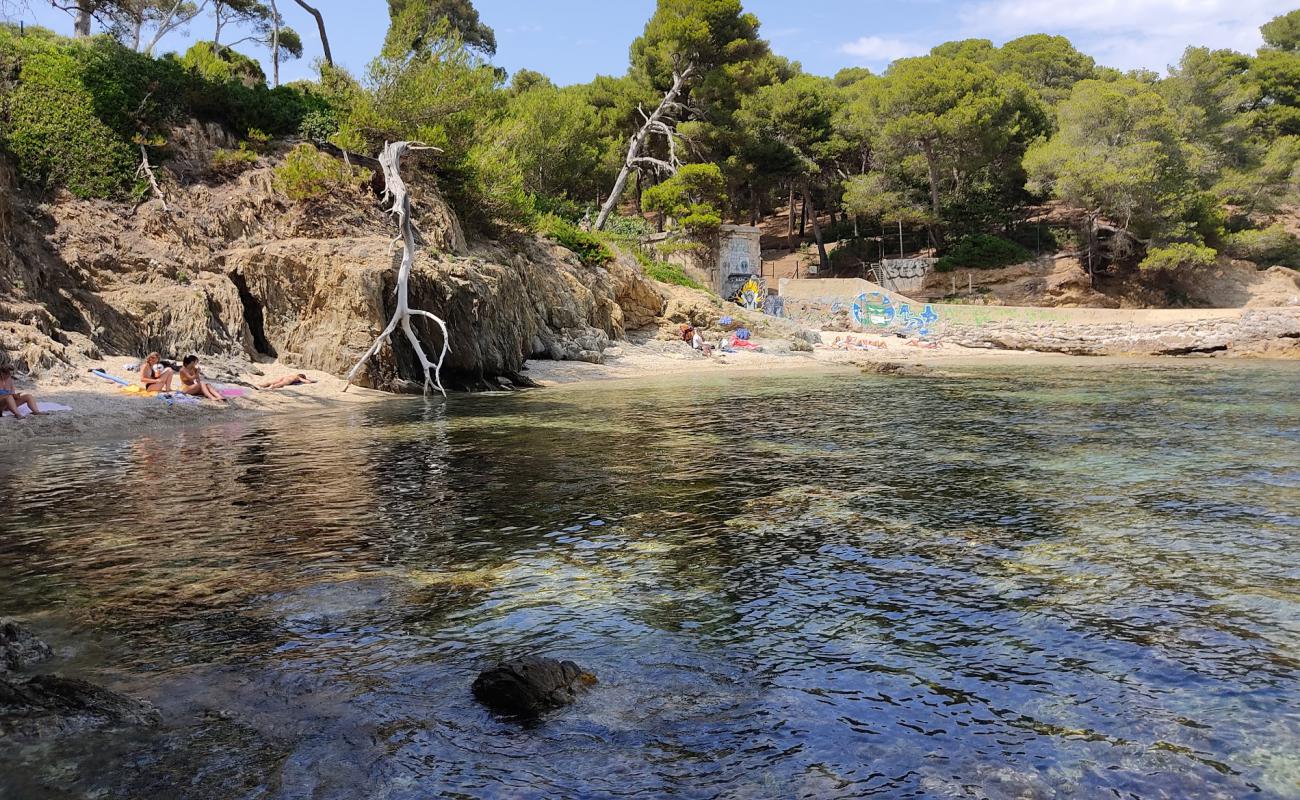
1060 582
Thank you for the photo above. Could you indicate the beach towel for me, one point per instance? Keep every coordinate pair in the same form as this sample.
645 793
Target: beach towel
231 391
46 406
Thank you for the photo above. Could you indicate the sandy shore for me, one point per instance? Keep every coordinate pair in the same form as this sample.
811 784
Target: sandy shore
658 358
100 409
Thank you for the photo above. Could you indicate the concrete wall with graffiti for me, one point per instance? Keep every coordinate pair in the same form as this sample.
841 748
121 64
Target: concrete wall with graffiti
905 274
740 257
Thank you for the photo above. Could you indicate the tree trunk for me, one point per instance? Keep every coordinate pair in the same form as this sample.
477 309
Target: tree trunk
395 188
803 215
275 43
936 233
81 25
753 205
653 123
639 190
789 228
320 26
817 230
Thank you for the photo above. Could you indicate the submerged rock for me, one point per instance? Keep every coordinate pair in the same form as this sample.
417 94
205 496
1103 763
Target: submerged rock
531 685
19 647
44 705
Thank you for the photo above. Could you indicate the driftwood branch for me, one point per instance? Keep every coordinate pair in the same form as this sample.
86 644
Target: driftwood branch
395 191
655 123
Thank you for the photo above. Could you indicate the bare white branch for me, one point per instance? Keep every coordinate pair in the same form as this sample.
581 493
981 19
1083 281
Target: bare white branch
395 190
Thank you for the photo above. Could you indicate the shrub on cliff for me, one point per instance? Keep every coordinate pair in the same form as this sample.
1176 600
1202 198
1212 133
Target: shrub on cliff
70 109
219 64
1178 256
1267 247
308 174
982 252
589 249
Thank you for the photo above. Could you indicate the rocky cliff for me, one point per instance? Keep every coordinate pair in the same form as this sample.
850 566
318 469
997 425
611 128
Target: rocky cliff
234 269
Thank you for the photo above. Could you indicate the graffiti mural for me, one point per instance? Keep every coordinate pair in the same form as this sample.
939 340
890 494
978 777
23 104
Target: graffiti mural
873 310
751 293
878 310
738 266
905 274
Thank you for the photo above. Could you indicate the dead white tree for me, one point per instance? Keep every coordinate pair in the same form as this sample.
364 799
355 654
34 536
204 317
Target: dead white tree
146 171
395 189
657 122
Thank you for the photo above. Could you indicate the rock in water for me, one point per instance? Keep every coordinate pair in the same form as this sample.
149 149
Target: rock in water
531 685
47 704
19 647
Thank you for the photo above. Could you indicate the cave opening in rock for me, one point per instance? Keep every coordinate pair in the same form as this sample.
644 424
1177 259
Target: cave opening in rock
253 316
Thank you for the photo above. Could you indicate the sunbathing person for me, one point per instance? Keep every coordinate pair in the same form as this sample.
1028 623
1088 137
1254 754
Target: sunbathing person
154 377
11 399
192 381
288 380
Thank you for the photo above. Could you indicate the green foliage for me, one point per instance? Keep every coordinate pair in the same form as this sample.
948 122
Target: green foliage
318 126
1118 150
1271 246
589 249
76 106
227 161
691 197
983 251
665 272
51 124
553 135
1283 33
220 64
417 24
308 174
1178 256
620 226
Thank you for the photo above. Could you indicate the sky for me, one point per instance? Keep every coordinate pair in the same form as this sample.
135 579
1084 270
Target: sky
574 40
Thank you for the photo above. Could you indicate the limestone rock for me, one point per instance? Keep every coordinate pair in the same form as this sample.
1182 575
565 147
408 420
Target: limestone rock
531 685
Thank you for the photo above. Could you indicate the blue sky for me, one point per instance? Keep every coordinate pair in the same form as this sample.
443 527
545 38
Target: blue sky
573 40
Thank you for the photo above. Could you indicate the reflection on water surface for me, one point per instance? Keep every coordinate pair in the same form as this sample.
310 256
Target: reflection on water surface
1053 583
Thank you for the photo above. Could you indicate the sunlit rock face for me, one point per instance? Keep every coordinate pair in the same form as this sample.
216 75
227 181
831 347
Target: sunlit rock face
232 269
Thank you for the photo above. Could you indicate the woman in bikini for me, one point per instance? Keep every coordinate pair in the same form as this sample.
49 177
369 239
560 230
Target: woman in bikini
153 376
192 381
11 399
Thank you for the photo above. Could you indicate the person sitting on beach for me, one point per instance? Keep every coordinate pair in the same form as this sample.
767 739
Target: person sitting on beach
11 399
698 343
192 381
154 377
288 380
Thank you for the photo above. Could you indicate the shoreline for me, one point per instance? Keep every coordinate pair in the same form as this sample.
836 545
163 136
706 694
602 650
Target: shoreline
102 411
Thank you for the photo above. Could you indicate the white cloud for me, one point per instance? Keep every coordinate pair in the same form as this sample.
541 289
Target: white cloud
1128 33
879 50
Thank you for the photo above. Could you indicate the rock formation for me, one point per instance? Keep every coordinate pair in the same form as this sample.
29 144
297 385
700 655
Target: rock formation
532 685
45 705
234 269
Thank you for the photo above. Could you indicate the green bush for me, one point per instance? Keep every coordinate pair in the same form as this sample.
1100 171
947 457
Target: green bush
51 128
982 251
624 227
1178 255
589 249
318 126
70 109
309 174
223 65
665 272
238 160
1267 247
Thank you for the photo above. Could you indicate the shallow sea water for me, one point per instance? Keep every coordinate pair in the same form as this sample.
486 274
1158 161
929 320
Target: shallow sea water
1030 583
